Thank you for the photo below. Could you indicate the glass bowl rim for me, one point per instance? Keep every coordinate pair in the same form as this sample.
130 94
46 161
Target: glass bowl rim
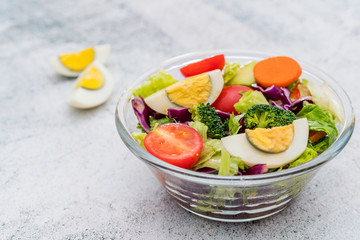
340 142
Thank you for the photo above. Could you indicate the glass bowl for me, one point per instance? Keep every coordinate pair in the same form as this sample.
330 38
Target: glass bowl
232 198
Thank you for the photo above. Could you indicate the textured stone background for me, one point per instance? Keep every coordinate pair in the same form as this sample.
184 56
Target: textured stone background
65 173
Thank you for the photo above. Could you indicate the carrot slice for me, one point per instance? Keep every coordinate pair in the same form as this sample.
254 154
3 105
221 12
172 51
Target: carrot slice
279 71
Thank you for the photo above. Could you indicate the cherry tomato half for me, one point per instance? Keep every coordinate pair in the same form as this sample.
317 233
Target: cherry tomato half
228 97
205 65
175 143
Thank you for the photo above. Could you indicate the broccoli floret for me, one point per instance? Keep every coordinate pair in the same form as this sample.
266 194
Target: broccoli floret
208 116
267 116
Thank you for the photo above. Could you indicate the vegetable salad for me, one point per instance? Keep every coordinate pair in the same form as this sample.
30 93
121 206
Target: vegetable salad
231 119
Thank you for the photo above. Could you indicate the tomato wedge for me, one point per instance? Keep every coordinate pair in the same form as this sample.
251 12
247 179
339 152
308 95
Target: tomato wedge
205 65
296 92
175 143
228 97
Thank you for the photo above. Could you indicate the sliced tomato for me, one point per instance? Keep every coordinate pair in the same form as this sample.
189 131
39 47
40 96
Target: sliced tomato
228 97
175 143
296 92
205 65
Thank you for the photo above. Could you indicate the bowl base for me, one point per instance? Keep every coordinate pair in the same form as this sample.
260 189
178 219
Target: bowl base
229 216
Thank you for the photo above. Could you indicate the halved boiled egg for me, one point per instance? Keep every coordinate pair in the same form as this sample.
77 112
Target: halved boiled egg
92 88
273 140
202 88
264 151
72 64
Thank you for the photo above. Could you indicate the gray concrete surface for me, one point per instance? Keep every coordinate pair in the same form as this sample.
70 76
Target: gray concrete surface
65 173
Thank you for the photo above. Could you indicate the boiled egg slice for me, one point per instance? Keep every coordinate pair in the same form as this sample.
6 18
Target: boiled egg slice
92 88
72 64
272 140
202 88
240 146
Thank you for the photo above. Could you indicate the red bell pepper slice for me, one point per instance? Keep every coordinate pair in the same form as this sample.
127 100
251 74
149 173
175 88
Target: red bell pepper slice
205 65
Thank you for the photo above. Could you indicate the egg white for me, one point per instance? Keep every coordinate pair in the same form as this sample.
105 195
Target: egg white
160 102
101 55
85 98
239 146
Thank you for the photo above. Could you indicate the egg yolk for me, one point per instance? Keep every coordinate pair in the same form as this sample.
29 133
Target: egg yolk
273 140
78 61
92 79
191 91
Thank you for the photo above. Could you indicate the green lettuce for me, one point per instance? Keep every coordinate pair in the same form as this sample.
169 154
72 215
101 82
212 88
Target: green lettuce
230 71
229 165
200 128
306 156
158 122
156 82
319 119
324 97
139 137
211 148
233 123
321 145
249 99
225 162
213 156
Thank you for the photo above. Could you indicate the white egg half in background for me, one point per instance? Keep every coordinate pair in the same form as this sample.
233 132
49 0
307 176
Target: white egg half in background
202 88
92 88
239 146
72 64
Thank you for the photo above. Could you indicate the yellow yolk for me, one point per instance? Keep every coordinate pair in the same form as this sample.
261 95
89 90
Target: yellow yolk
92 79
78 61
273 140
191 91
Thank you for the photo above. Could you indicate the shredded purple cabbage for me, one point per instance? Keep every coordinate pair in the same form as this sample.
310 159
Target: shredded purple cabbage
283 95
275 93
297 105
143 112
278 105
242 125
180 115
223 115
257 169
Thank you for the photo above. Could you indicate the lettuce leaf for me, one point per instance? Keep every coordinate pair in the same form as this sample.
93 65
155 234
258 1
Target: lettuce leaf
229 165
230 71
156 82
200 128
210 149
324 97
306 156
139 137
225 162
321 145
158 122
249 99
234 123
213 156
319 119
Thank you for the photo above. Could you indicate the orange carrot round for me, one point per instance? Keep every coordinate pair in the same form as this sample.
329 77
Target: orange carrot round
279 71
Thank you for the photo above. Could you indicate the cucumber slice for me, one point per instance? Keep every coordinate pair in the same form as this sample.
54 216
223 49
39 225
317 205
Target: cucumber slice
245 75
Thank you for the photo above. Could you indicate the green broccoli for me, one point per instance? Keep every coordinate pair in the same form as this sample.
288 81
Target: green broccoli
208 116
267 116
